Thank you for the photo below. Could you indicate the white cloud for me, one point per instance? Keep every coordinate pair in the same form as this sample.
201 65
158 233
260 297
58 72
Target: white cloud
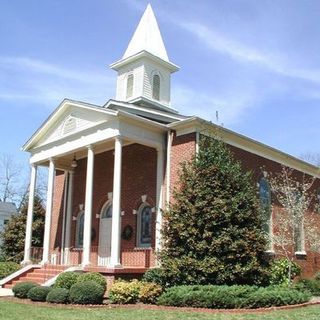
223 44
31 80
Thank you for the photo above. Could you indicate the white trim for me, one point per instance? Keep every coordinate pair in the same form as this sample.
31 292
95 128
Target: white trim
18 273
52 280
197 141
140 245
242 142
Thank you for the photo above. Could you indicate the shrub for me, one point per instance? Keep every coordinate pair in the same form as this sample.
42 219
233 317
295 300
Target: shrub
230 297
20 290
6 268
58 295
93 276
156 275
317 276
124 292
87 292
279 271
66 279
213 228
311 285
149 292
38 293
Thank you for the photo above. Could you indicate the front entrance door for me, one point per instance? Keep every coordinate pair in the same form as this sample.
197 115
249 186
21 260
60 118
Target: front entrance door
104 251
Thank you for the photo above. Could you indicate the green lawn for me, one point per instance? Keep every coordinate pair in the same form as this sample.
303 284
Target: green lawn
15 311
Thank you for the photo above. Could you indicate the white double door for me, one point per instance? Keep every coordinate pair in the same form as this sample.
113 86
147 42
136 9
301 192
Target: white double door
104 250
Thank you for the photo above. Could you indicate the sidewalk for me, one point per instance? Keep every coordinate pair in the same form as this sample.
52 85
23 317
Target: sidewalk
5 292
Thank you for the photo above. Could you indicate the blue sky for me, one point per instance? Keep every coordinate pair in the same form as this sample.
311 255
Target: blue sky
256 62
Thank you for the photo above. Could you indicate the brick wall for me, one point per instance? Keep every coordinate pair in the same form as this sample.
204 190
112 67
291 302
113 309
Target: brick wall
139 172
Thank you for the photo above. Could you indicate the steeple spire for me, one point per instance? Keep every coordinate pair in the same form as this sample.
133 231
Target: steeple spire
144 71
147 37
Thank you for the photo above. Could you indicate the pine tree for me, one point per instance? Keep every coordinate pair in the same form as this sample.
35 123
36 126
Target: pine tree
13 235
213 230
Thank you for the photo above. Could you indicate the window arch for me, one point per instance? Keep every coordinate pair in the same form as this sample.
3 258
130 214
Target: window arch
144 225
156 87
265 206
69 125
130 85
79 230
106 211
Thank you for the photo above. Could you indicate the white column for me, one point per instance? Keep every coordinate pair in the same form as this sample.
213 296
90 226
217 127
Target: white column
28 238
69 210
47 226
63 232
116 205
88 208
160 165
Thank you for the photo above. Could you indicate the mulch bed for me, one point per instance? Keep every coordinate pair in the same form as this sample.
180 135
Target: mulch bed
314 301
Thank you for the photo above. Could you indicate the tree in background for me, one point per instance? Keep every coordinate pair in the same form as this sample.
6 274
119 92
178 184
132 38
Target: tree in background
294 198
13 235
213 230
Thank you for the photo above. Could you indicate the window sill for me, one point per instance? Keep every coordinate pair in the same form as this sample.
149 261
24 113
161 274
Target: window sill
142 248
270 252
300 253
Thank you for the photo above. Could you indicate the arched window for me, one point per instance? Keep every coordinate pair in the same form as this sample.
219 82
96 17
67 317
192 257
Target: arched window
265 205
69 125
144 223
156 87
79 230
107 211
130 85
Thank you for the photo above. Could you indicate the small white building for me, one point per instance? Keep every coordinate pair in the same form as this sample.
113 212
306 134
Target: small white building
7 209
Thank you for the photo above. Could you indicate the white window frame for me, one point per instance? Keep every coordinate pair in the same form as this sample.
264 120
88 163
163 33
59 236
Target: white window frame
138 242
77 242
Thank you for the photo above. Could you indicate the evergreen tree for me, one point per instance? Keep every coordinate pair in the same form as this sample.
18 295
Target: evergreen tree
13 235
213 230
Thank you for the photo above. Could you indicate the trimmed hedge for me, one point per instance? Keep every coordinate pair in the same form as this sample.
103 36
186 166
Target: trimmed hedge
87 292
20 290
231 297
93 276
6 268
125 292
66 279
58 295
149 292
38 293
313 286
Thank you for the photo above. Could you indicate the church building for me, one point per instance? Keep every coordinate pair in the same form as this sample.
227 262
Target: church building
112 168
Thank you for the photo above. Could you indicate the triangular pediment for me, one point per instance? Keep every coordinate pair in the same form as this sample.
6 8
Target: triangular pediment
70 118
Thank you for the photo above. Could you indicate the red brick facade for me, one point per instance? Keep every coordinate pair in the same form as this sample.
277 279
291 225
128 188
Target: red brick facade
139 173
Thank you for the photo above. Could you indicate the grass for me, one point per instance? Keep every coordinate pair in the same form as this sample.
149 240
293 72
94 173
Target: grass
14 311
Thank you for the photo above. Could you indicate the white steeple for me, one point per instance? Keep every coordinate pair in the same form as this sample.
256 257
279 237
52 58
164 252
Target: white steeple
144 71
147 37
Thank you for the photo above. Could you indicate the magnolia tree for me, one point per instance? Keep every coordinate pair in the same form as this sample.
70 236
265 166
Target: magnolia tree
294 198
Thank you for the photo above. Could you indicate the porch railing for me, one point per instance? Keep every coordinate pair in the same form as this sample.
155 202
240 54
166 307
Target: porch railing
99 257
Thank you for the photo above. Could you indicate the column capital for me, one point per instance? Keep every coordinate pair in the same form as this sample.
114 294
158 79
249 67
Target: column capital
90 147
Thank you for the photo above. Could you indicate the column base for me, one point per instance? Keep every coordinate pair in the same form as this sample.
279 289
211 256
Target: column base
25 262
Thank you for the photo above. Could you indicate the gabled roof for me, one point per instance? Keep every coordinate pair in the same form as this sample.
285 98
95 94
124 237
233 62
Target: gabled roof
147 37
7 207
46 125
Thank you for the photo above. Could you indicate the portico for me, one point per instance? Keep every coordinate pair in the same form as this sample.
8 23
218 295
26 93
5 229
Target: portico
70 164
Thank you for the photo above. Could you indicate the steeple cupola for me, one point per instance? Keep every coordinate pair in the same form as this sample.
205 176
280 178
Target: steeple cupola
144 71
